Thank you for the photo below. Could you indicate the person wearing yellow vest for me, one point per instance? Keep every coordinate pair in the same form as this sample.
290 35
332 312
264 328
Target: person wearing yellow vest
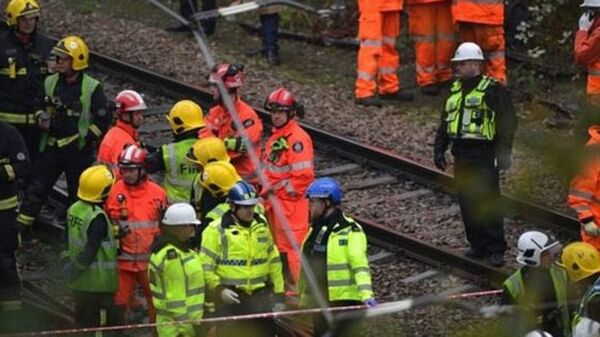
540 282
242 266
14 162
480 121
186 120
336 252
91 258
75 119
176 274
581 260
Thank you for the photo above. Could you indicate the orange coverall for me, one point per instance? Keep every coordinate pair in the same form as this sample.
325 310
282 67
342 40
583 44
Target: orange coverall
430 26
288 159
136 209
584 192
482 22
587 53
378 60
114 142
220 124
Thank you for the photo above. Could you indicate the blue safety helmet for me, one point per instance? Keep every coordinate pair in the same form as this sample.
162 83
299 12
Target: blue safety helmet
243 194
325 188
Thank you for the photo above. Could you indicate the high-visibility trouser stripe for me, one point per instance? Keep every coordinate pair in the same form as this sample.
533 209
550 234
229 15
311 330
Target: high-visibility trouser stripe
582 208
138 224
387 70
371 43
240 282
301 165
209 253
389 40
158 295
133 257
102 265
166 313
175 304
482 2
25 219
6 71
62 142
363 75
421 69
340 283
196 291
195 307
361 270
499 54
363 287
593 71
17 118
8 203
10 172
95 130
581 194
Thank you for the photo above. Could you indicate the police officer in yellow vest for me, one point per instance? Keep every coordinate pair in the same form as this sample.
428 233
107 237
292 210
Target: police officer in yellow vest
540 282
242 266
74 120
186 120
91 258
479 120
336 251
175 273
582 263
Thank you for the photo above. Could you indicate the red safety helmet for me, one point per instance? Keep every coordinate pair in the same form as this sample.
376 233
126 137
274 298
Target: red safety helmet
232 75
282 99
129 100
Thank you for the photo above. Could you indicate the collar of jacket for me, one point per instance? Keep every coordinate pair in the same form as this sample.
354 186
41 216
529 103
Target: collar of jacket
285 128
138 190
470 83
128 128
187 135
164 239
337 217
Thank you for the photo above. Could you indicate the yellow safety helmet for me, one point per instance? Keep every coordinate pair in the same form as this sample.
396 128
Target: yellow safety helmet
207 150
17 8
218 178
581 260
76 48
185 116
95 183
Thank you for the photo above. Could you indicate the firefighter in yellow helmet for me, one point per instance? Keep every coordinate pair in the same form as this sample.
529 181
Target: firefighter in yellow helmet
23 67
73 122
186 120
582 263
91 258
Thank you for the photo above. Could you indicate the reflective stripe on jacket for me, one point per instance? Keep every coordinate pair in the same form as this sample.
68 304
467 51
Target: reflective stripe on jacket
516 287
489 12
177 285
179 173
468 116
88 86
101 275
240 257
348 274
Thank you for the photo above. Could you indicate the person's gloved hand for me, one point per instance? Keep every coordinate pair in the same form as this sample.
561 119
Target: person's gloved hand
439 159
585 21
230 297
504 161
235 144
590 228
371 303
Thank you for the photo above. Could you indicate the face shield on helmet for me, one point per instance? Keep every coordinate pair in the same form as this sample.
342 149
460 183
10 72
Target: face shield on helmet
281 100
21 8
132 164
531 245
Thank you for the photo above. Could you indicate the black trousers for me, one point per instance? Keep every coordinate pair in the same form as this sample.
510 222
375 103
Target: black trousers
51 164
95 309
341 328
10 282
269 25
478 196
259 301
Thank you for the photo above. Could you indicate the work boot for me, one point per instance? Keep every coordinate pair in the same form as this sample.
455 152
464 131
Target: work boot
497 259
430 89
402 96
273 57
369 101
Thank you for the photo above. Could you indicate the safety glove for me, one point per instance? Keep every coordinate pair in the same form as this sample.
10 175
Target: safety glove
590 228
235 144
43 119
439 159
585 21
277 147
230 297
371 303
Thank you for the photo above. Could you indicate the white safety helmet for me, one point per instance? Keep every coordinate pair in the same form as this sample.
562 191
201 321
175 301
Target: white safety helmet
538 333
531 245
180 214
590 3
467 51
587 328
130 100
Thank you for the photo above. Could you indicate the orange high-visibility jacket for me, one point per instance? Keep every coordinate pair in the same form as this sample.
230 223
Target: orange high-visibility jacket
489 12
418 2
584 192
136 208
370 6
587 53
115 141
220 124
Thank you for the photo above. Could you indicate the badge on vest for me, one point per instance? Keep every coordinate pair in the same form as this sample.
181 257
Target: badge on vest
298 147
171 254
